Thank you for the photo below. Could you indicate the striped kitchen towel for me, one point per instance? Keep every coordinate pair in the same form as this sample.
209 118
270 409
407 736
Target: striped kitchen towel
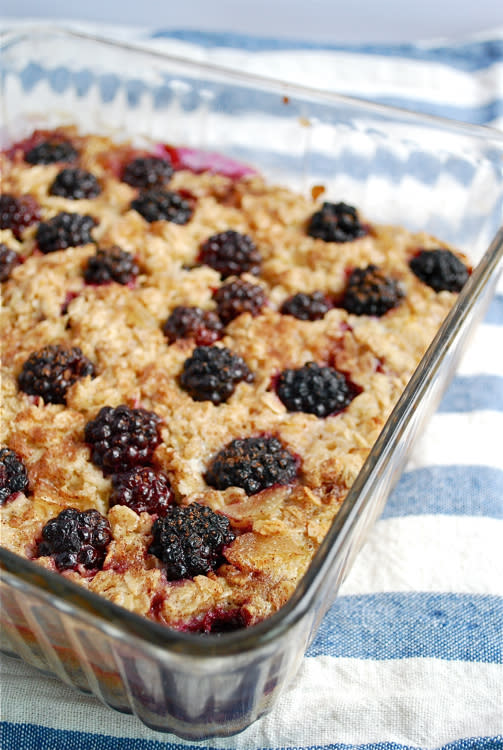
411 655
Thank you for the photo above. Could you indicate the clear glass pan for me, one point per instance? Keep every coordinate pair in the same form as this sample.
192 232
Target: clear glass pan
397 167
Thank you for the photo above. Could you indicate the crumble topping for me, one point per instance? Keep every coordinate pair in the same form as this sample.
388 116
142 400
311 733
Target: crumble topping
217 351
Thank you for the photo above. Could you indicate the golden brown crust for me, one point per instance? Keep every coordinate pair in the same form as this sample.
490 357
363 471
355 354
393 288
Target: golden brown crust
118 328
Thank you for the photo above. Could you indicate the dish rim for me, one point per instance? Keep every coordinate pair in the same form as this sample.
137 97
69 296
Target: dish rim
255 80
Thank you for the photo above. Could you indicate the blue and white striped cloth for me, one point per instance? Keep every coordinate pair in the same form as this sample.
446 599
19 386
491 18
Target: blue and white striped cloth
411 655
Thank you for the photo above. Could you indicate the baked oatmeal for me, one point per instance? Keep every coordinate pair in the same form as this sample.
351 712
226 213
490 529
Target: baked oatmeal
195 367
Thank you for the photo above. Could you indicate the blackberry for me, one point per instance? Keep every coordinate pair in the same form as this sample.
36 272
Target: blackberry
371 292
9 259
237 297
111 264
75 184
252 464
51 371
314 390
64 230
121 438
302 306
17 213
162 205
212 373
142 489
76 538
13 475
147 172
336 222
190 540
231 254
204 326
50 152
440 269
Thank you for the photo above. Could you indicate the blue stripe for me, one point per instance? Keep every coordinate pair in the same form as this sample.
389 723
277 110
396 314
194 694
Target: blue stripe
495 313
242 99
449 490
466 627
472 393
237 100
33 737
470 57
480 115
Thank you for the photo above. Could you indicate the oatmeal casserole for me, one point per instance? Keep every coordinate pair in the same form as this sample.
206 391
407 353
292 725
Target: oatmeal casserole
195 365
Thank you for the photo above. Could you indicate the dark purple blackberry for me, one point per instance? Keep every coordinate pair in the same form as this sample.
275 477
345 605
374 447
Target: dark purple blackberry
204 326
314 390
76 538
371 292
50 152
142 489
64 230
51 371
121 438
111 264
75 184
336 222
147 172
162 205
17 213
237 297
312 306
190 540
212 373
252 464
440 269
9 259
13 475
231 254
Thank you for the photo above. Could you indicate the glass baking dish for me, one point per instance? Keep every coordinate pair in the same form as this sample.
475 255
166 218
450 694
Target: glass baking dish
397 167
